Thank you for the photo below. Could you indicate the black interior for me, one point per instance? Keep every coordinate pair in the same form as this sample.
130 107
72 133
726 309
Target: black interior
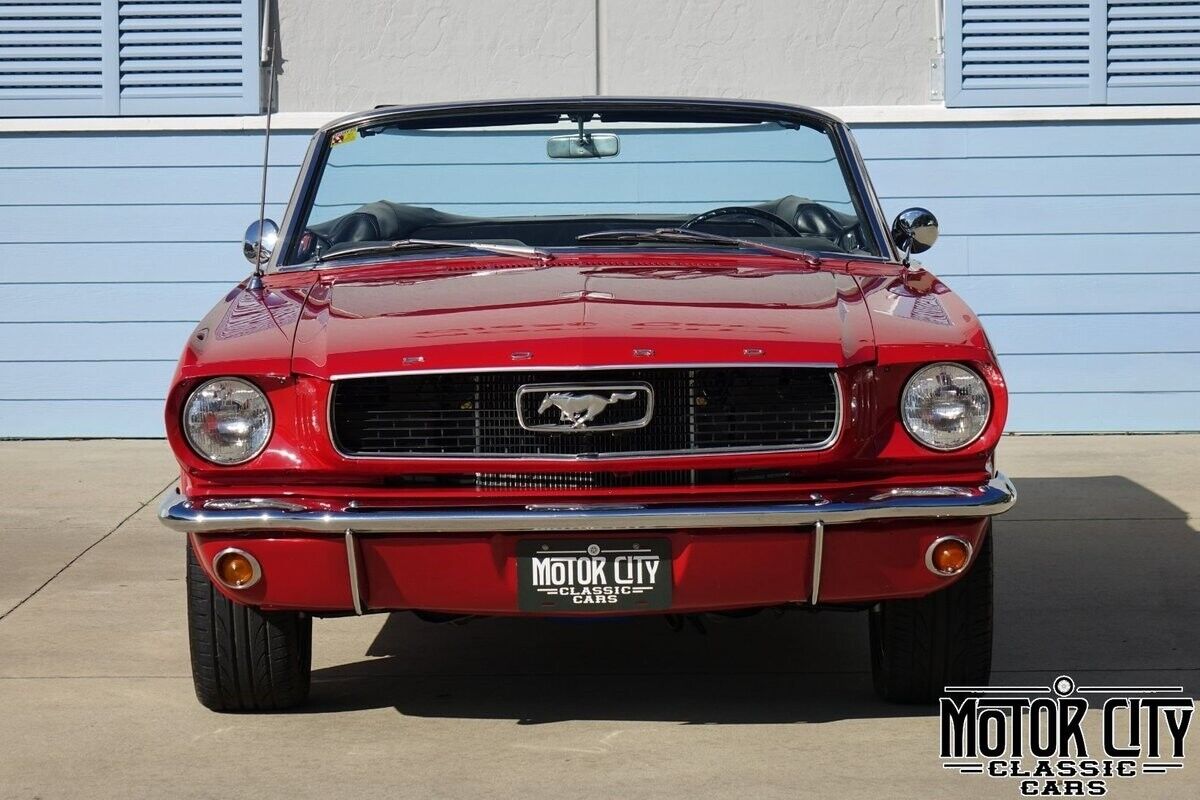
819 227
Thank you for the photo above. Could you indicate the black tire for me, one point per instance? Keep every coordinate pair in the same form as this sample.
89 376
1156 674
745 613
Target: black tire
244 659
918 647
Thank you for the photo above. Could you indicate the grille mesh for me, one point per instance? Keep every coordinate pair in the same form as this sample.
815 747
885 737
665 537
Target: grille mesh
568 481
475 414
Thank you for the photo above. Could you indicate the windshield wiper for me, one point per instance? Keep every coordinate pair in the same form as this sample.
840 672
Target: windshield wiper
402 245
687 236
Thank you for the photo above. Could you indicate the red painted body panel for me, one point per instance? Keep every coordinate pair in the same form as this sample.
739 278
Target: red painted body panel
298 572
579 311
477 574
868 319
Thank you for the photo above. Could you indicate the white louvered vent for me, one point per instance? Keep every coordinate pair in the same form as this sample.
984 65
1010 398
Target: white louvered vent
1153 45
1017 44
176 49
51 52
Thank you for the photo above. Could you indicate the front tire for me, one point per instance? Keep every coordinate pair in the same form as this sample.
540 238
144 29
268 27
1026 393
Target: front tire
244 659
922 645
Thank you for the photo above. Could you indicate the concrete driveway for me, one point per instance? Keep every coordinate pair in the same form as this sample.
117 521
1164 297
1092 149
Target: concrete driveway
1097 575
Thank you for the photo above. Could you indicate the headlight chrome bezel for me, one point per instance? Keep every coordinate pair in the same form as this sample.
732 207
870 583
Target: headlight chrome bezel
922 372
268 424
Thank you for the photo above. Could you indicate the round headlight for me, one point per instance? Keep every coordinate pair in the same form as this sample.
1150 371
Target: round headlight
227 421
945 406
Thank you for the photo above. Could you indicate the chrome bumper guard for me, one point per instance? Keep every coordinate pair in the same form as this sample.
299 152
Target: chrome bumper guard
923 502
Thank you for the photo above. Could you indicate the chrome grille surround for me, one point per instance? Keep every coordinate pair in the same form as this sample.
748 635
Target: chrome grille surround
588 372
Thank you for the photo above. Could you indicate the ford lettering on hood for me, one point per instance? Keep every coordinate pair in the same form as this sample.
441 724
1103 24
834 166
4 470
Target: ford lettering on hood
581 313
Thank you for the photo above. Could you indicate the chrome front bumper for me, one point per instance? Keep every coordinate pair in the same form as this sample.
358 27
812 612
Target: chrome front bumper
926 502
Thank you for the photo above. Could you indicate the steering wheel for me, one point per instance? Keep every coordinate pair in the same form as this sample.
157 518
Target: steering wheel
744 211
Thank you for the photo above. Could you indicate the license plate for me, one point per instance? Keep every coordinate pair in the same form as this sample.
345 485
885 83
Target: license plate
580 575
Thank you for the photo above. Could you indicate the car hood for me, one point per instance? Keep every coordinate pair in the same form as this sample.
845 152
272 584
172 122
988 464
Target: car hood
474 315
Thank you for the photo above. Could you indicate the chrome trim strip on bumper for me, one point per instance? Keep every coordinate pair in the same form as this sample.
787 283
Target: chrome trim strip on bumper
817 557
994 497
352 565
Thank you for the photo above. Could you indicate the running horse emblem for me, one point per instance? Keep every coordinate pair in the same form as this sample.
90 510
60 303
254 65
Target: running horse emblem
580 409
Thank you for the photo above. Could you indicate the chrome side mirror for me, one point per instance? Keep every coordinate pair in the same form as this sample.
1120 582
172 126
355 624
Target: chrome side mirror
260 241
914 231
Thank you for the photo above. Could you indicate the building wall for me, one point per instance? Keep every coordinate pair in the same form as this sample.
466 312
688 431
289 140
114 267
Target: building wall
818 52
1074 241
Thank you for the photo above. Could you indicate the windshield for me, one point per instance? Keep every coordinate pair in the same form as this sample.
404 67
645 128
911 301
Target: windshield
564 185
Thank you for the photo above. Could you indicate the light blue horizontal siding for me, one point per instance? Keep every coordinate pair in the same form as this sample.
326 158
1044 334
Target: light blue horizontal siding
1035 176
121 262
943 142
141 150
1112 214
81 418
1125 412
110 302
521 147
1078 245
1110 334
1104 373
1080 294
65 342
440 185
111 246
123 186
109 380
1060 253
185 222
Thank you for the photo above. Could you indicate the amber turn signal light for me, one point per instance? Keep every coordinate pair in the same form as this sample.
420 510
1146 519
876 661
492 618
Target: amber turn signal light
237 569
948 556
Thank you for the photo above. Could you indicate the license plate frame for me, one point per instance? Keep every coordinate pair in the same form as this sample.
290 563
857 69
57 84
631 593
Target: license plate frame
588 576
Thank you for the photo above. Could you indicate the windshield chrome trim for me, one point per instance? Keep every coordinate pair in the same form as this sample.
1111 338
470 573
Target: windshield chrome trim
288 233
872 210
482 109
828 443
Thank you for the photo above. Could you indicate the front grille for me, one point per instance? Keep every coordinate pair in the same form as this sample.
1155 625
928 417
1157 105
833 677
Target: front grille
695 410
644 479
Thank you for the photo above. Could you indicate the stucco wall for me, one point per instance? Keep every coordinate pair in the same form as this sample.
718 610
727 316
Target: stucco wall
340 56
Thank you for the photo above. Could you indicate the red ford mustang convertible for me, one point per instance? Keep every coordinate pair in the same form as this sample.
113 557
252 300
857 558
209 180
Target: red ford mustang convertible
592 356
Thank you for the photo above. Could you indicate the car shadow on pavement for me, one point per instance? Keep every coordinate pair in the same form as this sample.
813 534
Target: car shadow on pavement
1095 577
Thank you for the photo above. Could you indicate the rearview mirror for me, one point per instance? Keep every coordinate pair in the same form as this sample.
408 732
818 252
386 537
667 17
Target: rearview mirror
583 145
914 231
261 238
